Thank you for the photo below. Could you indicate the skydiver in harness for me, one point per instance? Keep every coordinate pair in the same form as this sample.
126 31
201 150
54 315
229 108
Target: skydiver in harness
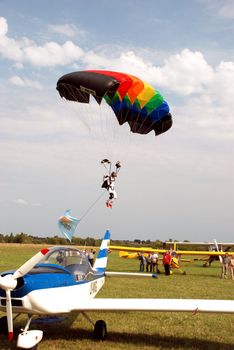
109 181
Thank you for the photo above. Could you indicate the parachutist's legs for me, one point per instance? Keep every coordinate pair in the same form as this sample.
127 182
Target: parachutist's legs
112 197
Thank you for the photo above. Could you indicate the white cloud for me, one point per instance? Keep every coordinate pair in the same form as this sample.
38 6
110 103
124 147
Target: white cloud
3 26
24 82
25 50
227 10
207 91
69 30
36 204
20 201
184 73
23 202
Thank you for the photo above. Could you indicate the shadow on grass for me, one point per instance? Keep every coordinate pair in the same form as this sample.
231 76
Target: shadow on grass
167 342
136 340
140 339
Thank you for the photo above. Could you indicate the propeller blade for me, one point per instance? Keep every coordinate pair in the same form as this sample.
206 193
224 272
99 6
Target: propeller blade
9 314
9 282
26 267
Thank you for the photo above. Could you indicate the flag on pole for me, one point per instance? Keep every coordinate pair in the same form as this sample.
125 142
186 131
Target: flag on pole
67 224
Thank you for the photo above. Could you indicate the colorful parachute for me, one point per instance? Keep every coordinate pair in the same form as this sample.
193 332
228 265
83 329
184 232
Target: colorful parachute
132 100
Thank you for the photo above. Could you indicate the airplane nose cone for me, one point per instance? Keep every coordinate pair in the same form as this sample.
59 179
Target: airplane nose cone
8 282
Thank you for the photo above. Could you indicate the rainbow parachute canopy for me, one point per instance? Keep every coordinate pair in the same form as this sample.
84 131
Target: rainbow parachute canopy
132 100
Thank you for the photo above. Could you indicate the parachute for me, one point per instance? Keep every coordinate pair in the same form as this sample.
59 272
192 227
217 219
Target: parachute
132 100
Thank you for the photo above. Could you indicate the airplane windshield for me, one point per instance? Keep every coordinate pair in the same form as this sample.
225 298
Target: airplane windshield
71 259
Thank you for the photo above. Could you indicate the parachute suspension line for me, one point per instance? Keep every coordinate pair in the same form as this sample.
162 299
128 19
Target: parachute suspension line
121 135
104 161
105 127
92 205
72 91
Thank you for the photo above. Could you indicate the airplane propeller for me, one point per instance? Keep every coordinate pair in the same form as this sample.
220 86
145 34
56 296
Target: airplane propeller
9 283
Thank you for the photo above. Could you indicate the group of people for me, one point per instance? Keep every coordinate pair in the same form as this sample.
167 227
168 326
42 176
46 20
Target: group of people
150 262
90 255
227 266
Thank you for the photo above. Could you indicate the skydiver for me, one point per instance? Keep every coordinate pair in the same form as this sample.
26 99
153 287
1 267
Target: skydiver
111 189
109 181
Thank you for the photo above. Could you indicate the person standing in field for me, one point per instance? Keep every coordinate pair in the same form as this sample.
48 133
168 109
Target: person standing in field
148 263
225 263
167 262
231 267
91 256
154 263
142 259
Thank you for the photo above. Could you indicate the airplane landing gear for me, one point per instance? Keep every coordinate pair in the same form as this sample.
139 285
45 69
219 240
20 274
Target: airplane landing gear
29 339
100 330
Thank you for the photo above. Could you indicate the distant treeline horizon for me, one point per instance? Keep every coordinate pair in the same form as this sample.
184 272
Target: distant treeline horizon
88 241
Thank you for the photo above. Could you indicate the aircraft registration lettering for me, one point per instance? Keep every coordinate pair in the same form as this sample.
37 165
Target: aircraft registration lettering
93 287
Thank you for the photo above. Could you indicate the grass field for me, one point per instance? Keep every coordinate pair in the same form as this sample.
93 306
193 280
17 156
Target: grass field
139 330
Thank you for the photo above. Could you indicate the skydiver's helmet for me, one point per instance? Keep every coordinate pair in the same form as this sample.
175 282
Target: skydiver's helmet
118 165
113 174
105 161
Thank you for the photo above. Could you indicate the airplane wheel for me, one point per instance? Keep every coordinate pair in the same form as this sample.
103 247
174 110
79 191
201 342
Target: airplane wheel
100 330
3 325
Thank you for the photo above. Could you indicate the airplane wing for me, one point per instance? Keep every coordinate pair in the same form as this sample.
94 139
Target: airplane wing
161 305
198 243
161 251
135 249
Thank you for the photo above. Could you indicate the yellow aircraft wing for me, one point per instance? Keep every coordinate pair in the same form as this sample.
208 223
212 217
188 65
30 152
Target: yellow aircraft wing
161 251
127 255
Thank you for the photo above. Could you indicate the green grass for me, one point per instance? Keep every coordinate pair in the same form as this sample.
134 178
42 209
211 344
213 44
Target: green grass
139 330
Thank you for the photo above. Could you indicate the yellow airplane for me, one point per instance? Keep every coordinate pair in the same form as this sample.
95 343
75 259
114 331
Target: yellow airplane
175 262
162 251
212 247
133 252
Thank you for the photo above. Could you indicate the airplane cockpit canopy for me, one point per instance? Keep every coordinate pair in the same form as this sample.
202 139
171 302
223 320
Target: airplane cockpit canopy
71 259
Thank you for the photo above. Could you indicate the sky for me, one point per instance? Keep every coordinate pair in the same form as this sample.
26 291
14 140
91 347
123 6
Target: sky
178 185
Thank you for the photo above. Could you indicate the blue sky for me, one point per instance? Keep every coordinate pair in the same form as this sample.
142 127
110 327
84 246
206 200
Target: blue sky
178 185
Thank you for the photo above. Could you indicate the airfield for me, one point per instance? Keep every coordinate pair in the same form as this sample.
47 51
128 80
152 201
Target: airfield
139 330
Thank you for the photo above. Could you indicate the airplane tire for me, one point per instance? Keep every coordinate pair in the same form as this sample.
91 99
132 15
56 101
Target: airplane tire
100 330
3 325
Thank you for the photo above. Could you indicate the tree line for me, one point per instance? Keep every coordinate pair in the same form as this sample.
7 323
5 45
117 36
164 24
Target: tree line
88 241
56 240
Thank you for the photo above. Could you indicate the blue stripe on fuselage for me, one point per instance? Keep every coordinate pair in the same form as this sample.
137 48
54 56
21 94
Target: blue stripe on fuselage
41 280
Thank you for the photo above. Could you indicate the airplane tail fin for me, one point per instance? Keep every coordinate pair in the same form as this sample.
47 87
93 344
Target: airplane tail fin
101 260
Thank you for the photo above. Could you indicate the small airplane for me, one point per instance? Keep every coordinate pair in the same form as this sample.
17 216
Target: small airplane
212 247
59 281
175 261
176 251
